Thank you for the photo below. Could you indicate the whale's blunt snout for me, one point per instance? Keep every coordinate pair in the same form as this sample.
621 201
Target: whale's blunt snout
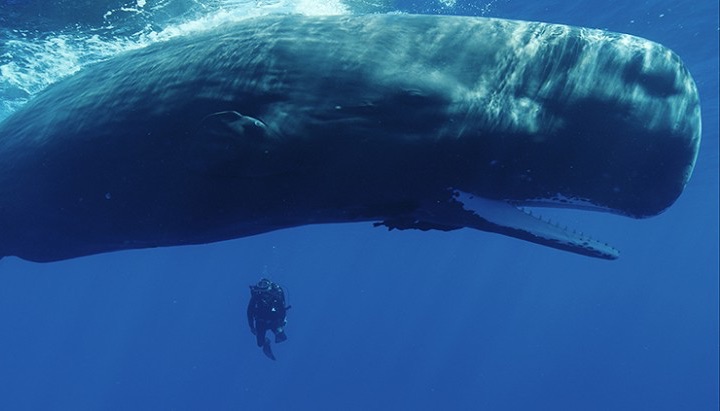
646 126
617 129
673 119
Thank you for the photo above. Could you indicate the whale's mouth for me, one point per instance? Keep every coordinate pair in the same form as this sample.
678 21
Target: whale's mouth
562 201
511 220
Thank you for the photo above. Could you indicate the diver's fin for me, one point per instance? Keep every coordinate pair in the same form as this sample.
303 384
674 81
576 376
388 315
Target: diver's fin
268 350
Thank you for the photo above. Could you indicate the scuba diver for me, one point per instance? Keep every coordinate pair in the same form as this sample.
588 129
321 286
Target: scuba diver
266 311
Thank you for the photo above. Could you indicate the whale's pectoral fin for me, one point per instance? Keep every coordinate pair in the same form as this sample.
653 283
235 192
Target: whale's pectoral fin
503 218
232 123
230 144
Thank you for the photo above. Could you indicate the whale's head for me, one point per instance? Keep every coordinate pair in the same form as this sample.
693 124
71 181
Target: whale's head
602 121
587 120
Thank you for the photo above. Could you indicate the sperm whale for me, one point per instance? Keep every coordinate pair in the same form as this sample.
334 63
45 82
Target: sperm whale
407 121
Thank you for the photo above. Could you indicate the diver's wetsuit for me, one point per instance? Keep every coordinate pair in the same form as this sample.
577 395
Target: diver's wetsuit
266 311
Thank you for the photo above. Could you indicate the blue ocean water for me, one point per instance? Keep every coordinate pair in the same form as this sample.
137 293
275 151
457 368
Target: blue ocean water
380 320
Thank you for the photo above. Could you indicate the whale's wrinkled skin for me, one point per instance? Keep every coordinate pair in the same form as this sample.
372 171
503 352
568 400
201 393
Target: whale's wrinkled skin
411 122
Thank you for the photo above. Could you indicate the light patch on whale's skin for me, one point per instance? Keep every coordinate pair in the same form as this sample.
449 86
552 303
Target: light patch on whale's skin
516 223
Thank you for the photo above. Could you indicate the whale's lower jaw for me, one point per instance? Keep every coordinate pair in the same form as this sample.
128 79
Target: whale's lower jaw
506 219
467 210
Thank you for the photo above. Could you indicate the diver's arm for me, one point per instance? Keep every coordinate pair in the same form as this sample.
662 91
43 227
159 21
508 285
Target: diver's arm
280 294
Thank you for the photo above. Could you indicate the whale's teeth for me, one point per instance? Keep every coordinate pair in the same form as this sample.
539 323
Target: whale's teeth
501 217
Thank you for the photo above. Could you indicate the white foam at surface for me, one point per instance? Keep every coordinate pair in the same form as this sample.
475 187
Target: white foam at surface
35 63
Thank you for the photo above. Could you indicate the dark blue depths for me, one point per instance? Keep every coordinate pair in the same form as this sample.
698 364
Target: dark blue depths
400 320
